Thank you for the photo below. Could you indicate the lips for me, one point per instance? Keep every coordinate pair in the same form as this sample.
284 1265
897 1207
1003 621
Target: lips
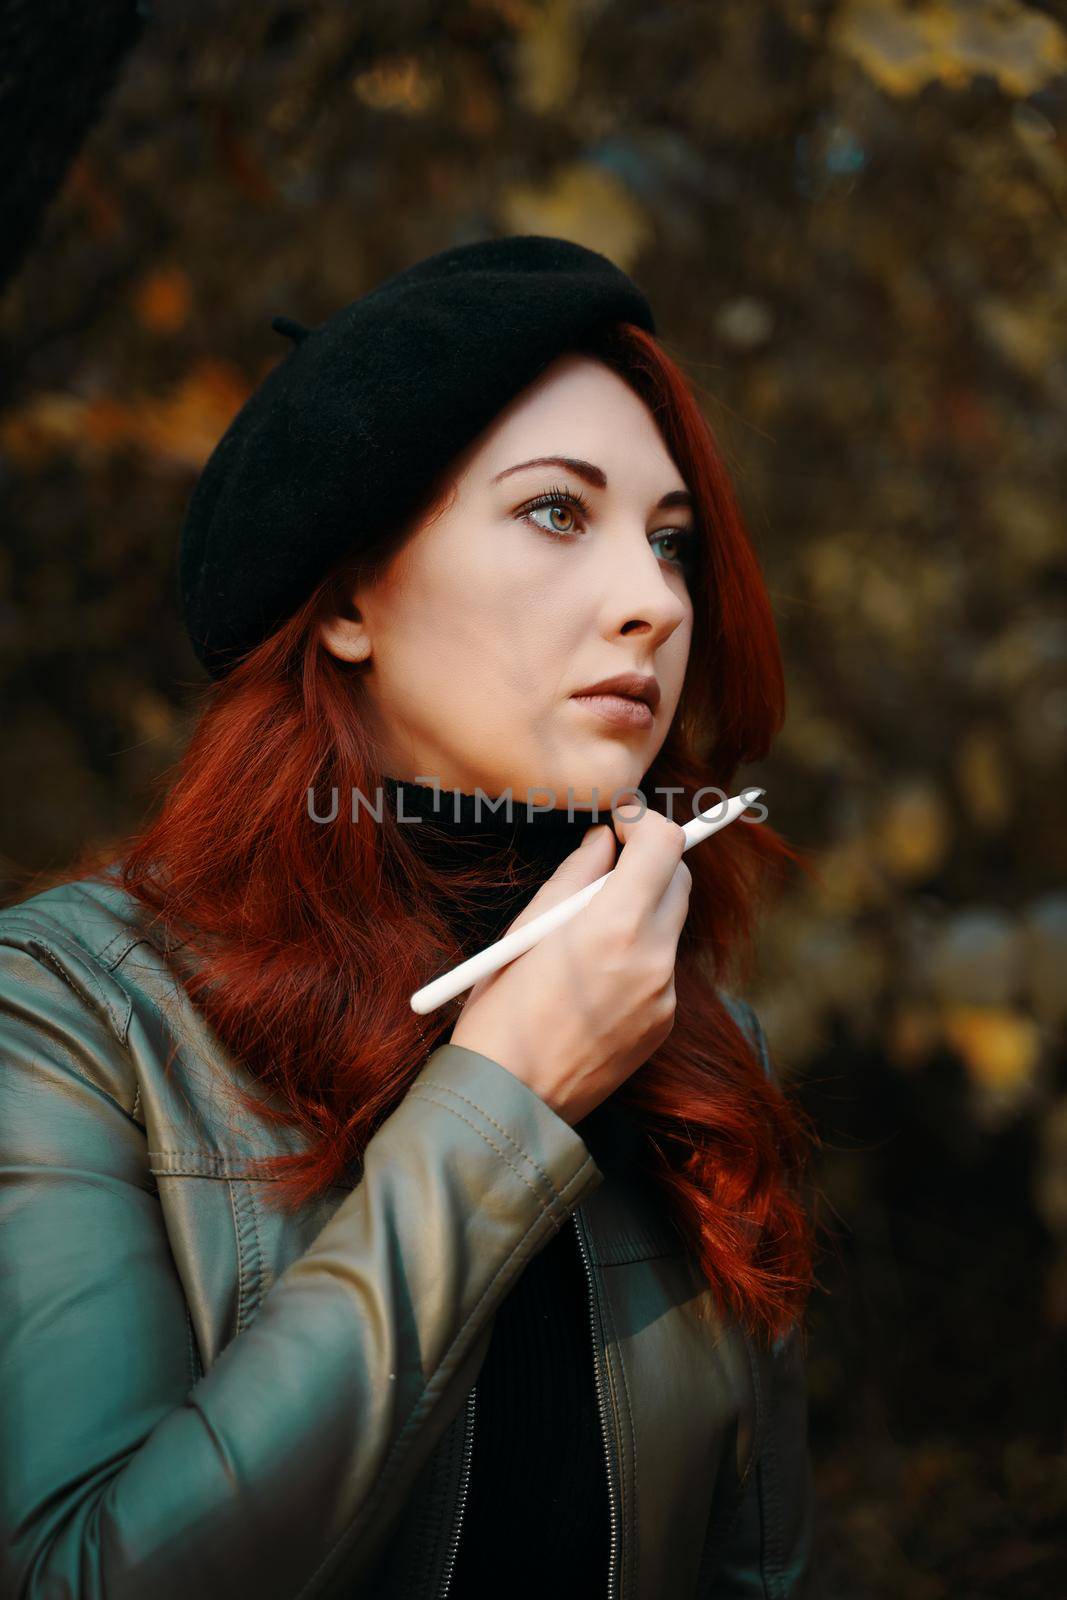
618 710
630 685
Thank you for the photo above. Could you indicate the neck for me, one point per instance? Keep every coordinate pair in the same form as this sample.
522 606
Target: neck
455 830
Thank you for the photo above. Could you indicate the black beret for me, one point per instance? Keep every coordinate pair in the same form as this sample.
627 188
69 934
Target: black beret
343 437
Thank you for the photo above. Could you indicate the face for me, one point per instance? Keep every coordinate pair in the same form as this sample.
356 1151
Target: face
481 629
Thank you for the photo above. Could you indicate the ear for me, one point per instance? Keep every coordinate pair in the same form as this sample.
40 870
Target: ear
346 636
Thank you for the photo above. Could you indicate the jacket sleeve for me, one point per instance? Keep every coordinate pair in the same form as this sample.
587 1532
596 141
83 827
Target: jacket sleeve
122 1475
767 1550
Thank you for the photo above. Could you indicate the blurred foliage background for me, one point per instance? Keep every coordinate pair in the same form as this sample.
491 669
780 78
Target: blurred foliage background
850 216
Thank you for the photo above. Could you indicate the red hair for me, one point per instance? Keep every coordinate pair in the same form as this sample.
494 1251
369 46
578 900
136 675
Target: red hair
307 940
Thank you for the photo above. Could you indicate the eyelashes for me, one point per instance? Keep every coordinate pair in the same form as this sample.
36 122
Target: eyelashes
561 495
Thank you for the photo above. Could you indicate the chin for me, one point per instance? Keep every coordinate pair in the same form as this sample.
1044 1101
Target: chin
608 779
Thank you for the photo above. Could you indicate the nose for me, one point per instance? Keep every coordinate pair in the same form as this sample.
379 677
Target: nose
639 594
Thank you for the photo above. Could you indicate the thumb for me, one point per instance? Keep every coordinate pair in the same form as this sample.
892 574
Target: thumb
626 818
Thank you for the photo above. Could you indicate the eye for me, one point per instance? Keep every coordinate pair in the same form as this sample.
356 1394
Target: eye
551 499
685 539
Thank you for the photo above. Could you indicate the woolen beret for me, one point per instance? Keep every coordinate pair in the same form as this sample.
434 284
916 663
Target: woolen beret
343 438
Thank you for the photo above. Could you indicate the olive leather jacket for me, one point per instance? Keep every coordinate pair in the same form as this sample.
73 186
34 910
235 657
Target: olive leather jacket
201 1396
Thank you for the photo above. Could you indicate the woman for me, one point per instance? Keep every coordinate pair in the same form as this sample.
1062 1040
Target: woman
309 1295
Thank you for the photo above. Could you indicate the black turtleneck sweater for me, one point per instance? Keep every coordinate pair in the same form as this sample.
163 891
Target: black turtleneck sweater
536 1516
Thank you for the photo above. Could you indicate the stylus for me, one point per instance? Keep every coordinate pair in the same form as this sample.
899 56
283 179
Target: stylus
516 943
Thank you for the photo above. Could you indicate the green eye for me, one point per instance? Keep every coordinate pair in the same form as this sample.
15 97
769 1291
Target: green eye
686 539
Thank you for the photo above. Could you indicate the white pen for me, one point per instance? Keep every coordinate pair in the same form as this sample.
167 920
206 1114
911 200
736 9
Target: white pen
497 955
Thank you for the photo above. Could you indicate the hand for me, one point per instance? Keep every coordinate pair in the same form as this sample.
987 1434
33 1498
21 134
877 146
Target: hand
577 1014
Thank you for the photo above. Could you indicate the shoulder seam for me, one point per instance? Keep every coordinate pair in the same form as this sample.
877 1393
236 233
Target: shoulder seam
40 910
45 946
49 944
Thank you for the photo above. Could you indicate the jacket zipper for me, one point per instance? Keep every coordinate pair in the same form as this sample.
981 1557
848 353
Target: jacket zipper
594 1321
465 1473
468 1443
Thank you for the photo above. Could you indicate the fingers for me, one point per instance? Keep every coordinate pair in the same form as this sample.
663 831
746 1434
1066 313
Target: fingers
673 909
651 852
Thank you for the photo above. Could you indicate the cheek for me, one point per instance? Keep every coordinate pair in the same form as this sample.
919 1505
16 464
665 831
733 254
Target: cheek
541 636
505 622
490 634
453 655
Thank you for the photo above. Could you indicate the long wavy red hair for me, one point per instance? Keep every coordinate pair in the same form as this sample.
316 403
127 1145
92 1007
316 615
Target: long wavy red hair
308 940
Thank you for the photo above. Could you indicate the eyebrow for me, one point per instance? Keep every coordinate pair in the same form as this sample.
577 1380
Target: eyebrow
596 477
